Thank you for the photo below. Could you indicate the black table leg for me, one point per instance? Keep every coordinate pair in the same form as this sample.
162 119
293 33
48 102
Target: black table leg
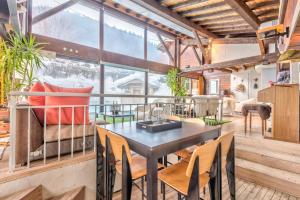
100 194
152 178
230 170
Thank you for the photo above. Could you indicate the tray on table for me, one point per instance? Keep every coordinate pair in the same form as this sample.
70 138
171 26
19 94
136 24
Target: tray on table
156 126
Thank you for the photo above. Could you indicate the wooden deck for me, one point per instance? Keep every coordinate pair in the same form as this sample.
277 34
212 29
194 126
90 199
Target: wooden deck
244 191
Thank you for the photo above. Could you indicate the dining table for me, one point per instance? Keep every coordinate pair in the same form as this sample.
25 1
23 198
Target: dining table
155 145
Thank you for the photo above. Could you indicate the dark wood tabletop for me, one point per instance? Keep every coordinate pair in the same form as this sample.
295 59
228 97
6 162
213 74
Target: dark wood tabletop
156 145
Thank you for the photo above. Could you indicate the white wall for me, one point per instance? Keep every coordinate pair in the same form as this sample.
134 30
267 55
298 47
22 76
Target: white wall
267 74
226 52
247 79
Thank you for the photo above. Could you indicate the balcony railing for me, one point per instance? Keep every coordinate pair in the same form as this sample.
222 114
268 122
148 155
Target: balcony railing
34 142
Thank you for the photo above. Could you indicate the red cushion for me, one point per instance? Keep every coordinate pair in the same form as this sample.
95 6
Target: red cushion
37 101
66 113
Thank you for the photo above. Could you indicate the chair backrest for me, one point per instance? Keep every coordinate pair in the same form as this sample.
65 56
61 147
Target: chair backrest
102 133
225 141
173 117
117 142
206 154
195 120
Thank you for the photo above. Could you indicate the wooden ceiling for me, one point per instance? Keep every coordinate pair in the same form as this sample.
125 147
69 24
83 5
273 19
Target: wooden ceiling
226 18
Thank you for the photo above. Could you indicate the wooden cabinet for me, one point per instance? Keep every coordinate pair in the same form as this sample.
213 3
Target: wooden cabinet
285 110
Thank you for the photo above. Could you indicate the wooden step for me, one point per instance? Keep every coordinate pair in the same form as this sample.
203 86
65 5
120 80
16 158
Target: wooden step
273 145
76 194
277 179
282 161
28 194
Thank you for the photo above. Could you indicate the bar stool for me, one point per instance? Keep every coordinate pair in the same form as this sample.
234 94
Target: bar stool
184 177
264 112
130 167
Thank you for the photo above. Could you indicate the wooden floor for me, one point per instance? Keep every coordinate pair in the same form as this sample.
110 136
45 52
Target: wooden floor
244 191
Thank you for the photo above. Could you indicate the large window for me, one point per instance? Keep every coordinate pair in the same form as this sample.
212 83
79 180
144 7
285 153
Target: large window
157 85
78 23
71 73
156 51
123 81
122 37
214 86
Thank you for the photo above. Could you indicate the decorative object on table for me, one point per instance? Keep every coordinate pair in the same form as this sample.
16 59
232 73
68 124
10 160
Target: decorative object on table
255 85
20 56
176 84
115 108
156 126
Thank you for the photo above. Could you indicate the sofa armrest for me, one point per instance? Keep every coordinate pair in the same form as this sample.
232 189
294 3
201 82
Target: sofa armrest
36 134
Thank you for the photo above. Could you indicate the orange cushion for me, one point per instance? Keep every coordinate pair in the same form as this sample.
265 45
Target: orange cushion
37 101
66 113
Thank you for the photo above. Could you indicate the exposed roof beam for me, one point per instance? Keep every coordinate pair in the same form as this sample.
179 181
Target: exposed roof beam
245 12
184 49
197 56
200 9
242 40
222 20
253 60
157 8
223 13
53 11
186 4
230 25
199 43
282 10
165 47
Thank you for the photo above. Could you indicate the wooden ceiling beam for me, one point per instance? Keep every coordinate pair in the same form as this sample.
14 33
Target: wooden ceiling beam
253 60
215 14
184 49
197 56
245 12
157 8
242 40
222 20
239 28
230 25
195 11
186 4
166 48
53 11
282 11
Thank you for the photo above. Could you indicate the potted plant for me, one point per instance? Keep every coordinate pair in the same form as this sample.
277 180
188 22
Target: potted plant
20 57
176 83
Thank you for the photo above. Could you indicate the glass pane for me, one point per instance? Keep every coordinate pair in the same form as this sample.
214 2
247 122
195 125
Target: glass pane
156 51
122 37
157 85
78 24
214 86
123 81
40 6
72 74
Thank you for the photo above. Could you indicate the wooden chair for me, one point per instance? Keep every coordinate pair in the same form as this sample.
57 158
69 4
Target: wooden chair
131 167
187 178
227 154
106 165
186 153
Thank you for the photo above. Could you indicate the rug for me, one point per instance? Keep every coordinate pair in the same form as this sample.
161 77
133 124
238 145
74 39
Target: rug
215 122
